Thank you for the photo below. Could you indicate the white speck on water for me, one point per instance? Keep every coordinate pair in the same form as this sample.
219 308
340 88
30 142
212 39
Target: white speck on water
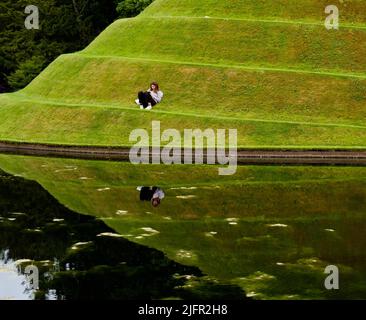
121 212
150 230
167 218
277 225
251 294
103 189
329 230
79 244
58 220
191 196
82 243
185 254
109 234
232 219
34 230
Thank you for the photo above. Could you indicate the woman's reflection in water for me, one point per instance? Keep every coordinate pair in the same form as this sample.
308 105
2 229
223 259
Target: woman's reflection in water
152 194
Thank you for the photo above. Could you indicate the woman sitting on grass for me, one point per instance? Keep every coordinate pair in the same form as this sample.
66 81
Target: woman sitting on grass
147 100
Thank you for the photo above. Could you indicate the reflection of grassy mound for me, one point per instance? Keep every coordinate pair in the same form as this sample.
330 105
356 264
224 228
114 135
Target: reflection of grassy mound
104 188
33 225
259 228
272 71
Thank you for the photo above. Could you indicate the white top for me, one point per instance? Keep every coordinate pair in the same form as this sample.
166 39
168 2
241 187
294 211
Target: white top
157 96
159 193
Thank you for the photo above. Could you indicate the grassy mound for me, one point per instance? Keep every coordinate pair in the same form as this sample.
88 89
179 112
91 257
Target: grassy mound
271 70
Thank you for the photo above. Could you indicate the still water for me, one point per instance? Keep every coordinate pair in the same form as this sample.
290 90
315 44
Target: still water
267 232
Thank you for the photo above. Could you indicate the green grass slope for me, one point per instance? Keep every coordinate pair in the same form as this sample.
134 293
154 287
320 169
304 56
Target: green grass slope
309 11
268 68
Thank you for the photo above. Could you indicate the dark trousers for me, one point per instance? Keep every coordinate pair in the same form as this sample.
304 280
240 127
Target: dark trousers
145 98
147 193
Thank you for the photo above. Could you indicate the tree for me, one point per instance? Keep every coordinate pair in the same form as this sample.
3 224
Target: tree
26 72
65 26
131 8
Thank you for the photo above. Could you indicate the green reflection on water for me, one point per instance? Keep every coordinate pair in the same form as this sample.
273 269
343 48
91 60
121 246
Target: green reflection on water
270 229
80 257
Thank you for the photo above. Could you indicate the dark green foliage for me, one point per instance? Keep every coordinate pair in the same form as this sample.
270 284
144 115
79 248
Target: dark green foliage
65 26
26 72
131 8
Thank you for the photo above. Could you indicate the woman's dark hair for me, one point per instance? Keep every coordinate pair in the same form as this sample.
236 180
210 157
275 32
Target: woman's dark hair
155 84
155 202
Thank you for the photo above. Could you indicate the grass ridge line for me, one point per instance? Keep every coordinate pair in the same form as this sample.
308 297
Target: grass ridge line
28 98
270 21
223 65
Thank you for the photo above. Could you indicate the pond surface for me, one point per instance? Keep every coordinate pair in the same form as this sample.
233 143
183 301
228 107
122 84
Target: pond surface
267 232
